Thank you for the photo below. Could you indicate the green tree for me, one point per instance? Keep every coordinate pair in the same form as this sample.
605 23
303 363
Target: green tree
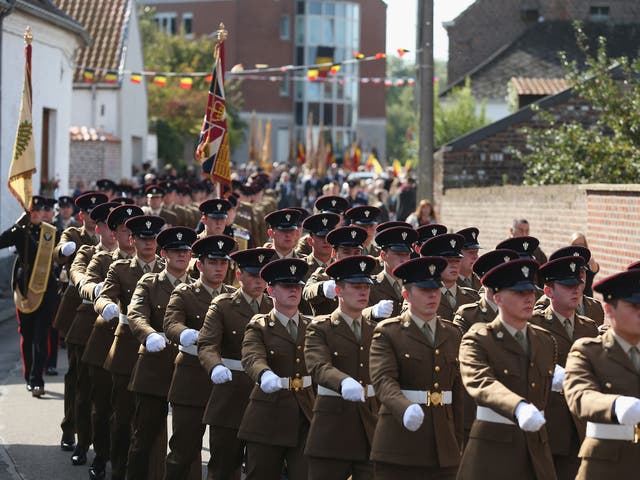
607 151
176 112
458 115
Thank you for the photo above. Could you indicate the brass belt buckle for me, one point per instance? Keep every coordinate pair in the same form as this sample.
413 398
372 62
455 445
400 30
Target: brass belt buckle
295 383
636 434
434 399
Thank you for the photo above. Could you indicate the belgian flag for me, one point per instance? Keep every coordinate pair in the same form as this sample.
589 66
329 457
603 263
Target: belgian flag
324 55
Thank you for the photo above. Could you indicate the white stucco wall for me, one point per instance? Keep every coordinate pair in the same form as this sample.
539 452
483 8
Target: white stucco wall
52 69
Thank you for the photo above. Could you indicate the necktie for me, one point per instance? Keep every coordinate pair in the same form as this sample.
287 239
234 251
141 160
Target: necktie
177 282
450 298
398 289
568 327
580 309
522 341
254 306
146 268
292 328
357 329
634 355
426 329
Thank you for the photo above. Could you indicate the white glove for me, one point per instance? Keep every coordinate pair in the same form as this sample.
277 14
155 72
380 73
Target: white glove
220 374
558 377
382 309
97 289
68 248
413 417
189 337
529 417
110 311
627 410
329 289
155 342
270 382
352 390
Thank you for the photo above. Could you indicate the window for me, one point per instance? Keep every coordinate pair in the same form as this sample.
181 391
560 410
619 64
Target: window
599 13
285 86
187 25
285 29
166 22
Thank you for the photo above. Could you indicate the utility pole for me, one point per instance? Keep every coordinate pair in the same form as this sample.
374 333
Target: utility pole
424 57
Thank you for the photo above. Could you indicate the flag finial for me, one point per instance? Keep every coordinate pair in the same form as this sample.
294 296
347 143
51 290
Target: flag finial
221 33
28 36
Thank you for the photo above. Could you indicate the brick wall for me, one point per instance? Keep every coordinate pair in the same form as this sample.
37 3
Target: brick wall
609 215
90 161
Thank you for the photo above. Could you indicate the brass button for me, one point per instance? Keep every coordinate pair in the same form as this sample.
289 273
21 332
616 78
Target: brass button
533 384
406 355
506 372
437 352
550 372
608 385
299 347
335 354
437 368
297 360
436 385
233 331
362 365
272 352
361 382
297 375
197 316
531 364
361 348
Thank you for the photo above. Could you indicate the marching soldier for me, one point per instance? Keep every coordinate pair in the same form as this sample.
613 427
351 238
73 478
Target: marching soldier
65 218
72 239
190 385
367 217
276 421
337 356
153 370
245 216
220 353
324 204
106 186
34 288
469 250
396 245
563 286
114 299
415 375
101 335
602 384
588 306
80 330
284 230
508 367
241 235
449 245
427 232
319 226
155 205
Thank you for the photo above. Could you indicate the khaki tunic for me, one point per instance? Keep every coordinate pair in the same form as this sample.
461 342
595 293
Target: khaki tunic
118 288
560 423
340 429
598 371
463 296
499 375
383 290
473 284
592 308
274 418
303 248
402 358
221 337
313 294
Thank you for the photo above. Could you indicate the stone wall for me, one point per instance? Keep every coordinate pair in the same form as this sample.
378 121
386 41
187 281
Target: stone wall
92 160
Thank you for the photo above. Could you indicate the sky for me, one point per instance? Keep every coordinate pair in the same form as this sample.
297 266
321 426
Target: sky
401 25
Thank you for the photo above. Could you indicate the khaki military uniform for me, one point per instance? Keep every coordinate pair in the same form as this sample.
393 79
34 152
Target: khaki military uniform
403 359
565 432
341 432
118 288
275 425
592 308
498 374
598 371
245 218
303 248
382 289
463 296
170 218
190 385
259 212
473 282
220 343
314 295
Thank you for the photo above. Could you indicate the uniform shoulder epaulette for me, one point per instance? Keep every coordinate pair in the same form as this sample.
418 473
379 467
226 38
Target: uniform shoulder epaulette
589 340
225 296
468 306
469 291
183 287
259 319
540 329
586 320
480 328
320 319
389 321
121 261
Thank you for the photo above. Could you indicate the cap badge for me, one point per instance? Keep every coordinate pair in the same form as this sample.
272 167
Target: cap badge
367 213
363 266
293 269
404 235
260 258
220 244
179 236
219 206
93 199
432 269
434 231
333 203
473 235
353 234
499 334
572 266
525 245
148 223
525 271
576 254
506 258
452 243
129 211
325 221
288 217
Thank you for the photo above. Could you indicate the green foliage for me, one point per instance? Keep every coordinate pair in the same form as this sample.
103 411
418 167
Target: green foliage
605 152
177 112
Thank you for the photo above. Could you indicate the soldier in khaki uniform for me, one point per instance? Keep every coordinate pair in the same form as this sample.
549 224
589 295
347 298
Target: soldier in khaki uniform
155 206
220 352
114 299
427 232
469 250
337 356
153 370
508 367
527 247
241 235
79 332
71 240
563 285
602 384
415 374
367 217
276 421
588 306
284 229
319 226
190 385
244 214
324 204
448 245
97 345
